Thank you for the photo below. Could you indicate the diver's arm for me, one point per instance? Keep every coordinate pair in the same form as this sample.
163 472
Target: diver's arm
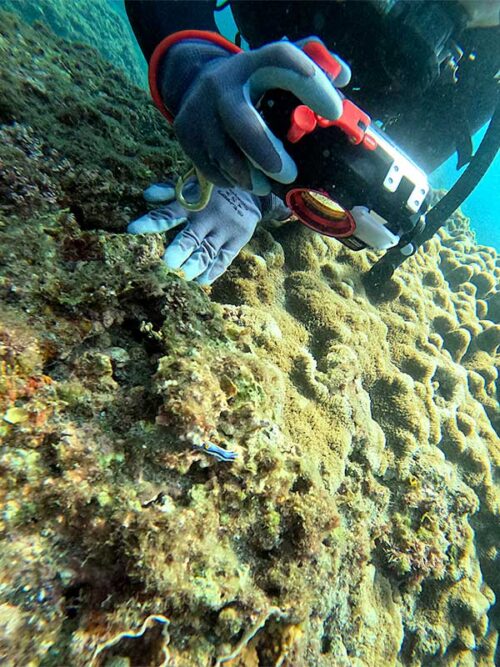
208 87
453 112
153 20
433 137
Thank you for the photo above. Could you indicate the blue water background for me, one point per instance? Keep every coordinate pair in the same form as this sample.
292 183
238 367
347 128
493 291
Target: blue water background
483 205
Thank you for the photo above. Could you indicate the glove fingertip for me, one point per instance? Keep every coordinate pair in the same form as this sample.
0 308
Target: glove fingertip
159 192
134 227
171 259
331 105
175 255
206 279
288 171
195 265
343 78
203 282
147 224
345 73
219 266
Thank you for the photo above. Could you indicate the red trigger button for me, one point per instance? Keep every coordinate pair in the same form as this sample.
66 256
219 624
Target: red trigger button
302 121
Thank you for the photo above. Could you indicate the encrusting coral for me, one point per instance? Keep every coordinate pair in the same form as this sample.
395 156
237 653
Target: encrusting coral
98 171
358 525
93 22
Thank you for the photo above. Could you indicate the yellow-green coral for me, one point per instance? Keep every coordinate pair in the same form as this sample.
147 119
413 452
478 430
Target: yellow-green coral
359 523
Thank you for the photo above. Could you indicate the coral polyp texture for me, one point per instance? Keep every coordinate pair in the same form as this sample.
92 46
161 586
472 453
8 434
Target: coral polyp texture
358 525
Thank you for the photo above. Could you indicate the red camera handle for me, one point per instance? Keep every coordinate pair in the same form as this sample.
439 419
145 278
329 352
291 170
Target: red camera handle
353 122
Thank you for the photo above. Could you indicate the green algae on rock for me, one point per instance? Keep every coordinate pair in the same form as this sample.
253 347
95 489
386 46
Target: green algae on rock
120 143
359 524
92 22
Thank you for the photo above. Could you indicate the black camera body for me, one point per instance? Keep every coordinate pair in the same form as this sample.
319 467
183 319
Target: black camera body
353 182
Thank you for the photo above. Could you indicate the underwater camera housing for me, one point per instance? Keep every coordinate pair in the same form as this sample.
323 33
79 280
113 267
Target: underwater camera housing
353 183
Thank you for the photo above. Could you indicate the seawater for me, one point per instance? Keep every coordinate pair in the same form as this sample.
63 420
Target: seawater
483 205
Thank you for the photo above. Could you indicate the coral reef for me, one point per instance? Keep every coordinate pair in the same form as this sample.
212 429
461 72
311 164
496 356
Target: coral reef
359 524
98 171
92 22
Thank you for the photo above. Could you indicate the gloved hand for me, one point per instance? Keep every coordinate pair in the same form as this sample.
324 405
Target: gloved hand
212 237
212 95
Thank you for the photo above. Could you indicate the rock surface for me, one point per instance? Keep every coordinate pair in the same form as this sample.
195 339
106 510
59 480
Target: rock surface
358 525
96 23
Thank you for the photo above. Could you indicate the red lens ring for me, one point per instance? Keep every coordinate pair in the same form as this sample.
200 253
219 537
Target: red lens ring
335 228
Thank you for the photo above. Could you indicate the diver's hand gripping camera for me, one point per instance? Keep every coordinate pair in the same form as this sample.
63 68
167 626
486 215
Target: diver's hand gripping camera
353 183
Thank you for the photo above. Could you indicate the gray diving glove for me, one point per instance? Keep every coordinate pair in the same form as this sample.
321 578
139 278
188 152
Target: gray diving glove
211 238
212 94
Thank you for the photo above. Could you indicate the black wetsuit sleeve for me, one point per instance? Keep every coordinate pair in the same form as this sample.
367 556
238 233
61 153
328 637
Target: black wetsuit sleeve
448 115
153 20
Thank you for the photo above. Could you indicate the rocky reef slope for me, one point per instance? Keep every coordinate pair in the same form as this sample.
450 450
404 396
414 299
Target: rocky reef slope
98 23
358 525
